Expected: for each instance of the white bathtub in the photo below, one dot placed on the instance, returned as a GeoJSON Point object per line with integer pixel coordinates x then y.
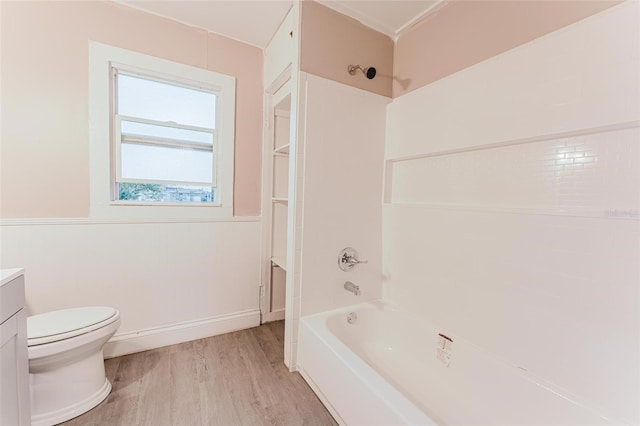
{"type": "Point", "coordinates": [366, 372]}
{"type": "Point", "coordinates": [384, 370]}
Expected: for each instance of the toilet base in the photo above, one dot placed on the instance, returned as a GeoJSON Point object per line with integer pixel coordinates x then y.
{"type": "Point", "coordinates": [74, 410]}
{"type": "Point", "coordinates": [67, 376]}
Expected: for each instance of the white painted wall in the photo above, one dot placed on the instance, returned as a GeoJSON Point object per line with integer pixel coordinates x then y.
{"type": "Point", "coordinates": [160, 276]}
{"type": "Point", "coordinates": [344, 132]}
{"type": "Point", "coordinates": [512, 219]}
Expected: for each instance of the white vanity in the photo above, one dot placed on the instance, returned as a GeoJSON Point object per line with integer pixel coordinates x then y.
{"type": "Point", "coordinates": [14, 361]}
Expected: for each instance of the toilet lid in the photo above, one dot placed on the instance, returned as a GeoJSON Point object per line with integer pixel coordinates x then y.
{"type": "Point", "coordinates": [66, 323]}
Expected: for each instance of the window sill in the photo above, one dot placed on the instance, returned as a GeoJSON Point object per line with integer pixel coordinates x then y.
{"type": "Point", "coordinates": [161, 204]}
{"type": "Point", "coordinates": [136, 210]}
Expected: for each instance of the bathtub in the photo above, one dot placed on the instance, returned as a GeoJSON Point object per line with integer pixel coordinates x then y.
{"type": "Point", "coordinates": [367, 372]}
{"type": "Point", "coordinates": [386, 368]}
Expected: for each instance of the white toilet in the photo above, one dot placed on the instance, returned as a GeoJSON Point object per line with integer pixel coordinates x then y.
{"type": "Point", "coordinates": [66, 365]}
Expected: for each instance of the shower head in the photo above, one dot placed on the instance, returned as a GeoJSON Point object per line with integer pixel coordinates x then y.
{"type": "Point", "coordinates": [369, 72]}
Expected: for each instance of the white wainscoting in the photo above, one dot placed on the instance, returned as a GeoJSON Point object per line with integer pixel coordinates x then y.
{"type": "Point", "coordinates": [512, 218]}
{"type": "Point", "coordinates": [171, 281]}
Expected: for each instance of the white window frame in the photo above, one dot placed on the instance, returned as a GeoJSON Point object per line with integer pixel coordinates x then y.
{"type": "Point", "coordinates": [104, 151]}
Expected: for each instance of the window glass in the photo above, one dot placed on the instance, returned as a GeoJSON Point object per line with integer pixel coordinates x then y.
{"type": "Point", "coordinates": [166, 163]}
{"type": "Point", "coordinates": [154, 100]}
{"type": "Point", "coordinates": [153, 192]}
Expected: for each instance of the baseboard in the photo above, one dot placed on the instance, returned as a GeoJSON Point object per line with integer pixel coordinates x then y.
{"type": "Point", "coordinates": [273, 316]}
{"type": "Point", "coordinates": [152, 338]}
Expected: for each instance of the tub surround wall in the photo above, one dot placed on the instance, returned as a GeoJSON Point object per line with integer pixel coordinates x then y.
{"type": "Point", "coordinates": [332, 41]}
{"type": "Point", "coordinates": [463, 33]}
{"type": "Point", "coordinates": [338, 147]}
{"type": "Point", "coordinates": [342, 191]}
{"type": "Point", "coordinates": [511, 219]}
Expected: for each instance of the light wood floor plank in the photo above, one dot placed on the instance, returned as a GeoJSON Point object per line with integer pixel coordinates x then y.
{"type": "Point", "coordinates": [232, 379]}
{"type": "Point", "coordinates": [155, 387]}
{"type": "Point", "coordinates": [217, 403]}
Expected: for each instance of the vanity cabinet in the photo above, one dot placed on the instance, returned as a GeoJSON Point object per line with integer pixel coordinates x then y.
{"type": "Point", "coordinates": [14, 360]}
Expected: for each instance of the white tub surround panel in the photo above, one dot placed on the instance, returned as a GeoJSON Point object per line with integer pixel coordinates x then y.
{"type": "Point", "coordinates": [512, 221]}
{"type": "Point", "coordinates": [594, 175]}
{"type": "Point", "coordinates": [171, 282]}
{"type": "Point", "coordinates": [584, 76]}
{"type": "Point", "coordinates": [548, 297]}
{"type": "Point", "coordinates": [344, 132]}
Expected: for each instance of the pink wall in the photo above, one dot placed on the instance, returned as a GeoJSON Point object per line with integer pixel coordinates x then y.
{"type": "Point", "coordinates": [45, 135]}
{"type": "Point", "coordinates": [245, 63]}
{"type": "Point", "coordinates": [464, 33]}
{"type": "Point", "coordinates": [332, 41]}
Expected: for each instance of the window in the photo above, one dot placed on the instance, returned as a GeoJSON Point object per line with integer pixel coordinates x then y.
{"type": "Point", "coordinates": [162, 136]}
{"type": "Point", "coordinates": [164, 139]}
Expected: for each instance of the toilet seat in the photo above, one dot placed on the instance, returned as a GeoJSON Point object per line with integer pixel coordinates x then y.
{"type": "Point", "coordinates": [67, 323]}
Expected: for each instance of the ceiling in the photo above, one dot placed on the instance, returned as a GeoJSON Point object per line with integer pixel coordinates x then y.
{"type": "Point", "coordinates": [390, 17]}
{"type": "Point", "coordinates": [255, 21]}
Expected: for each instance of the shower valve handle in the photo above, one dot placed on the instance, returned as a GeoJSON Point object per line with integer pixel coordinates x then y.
{"type": "Point", "coordinates": [352, 260]}
{"type": "Point", "coordinates": [348, 259]}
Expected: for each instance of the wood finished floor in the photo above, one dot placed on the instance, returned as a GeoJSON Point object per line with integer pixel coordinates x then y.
{"type": "Point", "coordinates": [232, 379]}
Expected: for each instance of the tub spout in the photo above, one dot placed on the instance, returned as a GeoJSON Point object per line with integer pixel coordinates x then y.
{"type": "Point", "coordinates": [349, 286]}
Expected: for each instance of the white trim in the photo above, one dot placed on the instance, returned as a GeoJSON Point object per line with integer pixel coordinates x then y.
{"type": "Point", "coordinates": [277, 315]}
{"type": "Point", "coordinates": [135, 221]}
{"type": "Point", "coordinates": [281, 94]}
{"type": "Point", "coordinates": [589, 212]}
{"type": "Point", "coordinates": [419, 17]}
{"type": "Point", "coordinates": [624, 125]}
{"type": "Point", "coordinates": [157, 337]}
{"type": "Point", "coordinates": [375, 24]}
{"type": "Point", "coordinates": [159, 77]}
{"type": "Point", "coordinates": [363, 18]}
{"type": "Point", "coordinates": [283, 114]}
{"type": "Point", "coordinates": [283, 78]}
{"type": "Point", "coordinates": [100, 58]}
{"type": "Point", "coordinates": [183, 22]}
{"type": "Point", "coordinates": [281, 151]}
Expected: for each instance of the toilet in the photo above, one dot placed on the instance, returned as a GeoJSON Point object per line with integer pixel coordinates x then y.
{"type": "Point", "coordinates": [66, 364]}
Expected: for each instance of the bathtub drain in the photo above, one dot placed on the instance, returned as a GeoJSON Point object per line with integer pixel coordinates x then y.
{"type": "Point", "coordinates": [352, 318]}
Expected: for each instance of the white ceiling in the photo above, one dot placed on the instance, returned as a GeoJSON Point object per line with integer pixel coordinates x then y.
{"type": "Point", "coordinates": [250, 21]}
{"type": "Point", "coordinates": [390, 17]}
{"type": "Point", "coordinates": [255, 21]}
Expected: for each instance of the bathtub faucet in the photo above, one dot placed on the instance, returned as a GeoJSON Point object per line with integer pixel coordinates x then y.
{"type": "Point", "coordinates": [355, 289]}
